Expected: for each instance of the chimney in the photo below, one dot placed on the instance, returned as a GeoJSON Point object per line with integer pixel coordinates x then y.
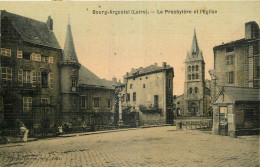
{"type": "Point", "coordinates": [164, 64]}
{"type": "Point", "coordinates": [114, 79]}
{"type": "Point", "coordinates": [251, 30]}
{"type": "Point", "coordinates": [50, 23]}
{"type": "Point", "coordinates": [119, 81]}
{"type": "Point", "coordinates": [127, 74]}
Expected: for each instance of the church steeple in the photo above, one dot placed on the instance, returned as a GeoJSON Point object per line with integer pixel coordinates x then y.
{"type": "Point", "coordinates": [194, 45]}
{"type": "Point", "coordinates": [195, 53]}
{"type": "Point", "coordinates": [69, 54]}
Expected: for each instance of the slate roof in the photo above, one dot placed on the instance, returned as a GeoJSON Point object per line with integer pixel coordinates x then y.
{"type": "Point", "coordinates": [147, 70]}
{"type": "Point", "coordinates": [32, 31]}
{"type": "Point", "coordinates": [242, 93]}
{"type": "Point", "coordinates": [69, 53]}
{"type": "Point", "coordinates": [88, 78]}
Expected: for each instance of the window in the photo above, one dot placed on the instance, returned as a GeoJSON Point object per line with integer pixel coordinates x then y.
{"type": "Point", "coordinates": [74, 101]}
{"type": "Point", "coordinates": [19, 54]}
{"type": "Point", "coordinates": [26, 76]}
{"type": "Point", "coordinates": [190, 90]}
{"type": "Point", "coordinates": [131, 86]}
{"type": "Point", "coordinates": [193, 76]}
{"type": "Point", "coordinates": [143, 85]}
{"type": "Point", "coordinates": [223, 113]}
{"type": "Point", "coordinates": [189, 77]}
{"type": "Point", "coordinates": [196, 90]}
{"type": "Point", "coordinates": [73, 82]}
{"type": "Point", "coordinates": [6, 73]}
{"type": "Point", "coordinates": [169, 82]}
{"type": "Point", "coordinates": [134, 96]}
{"type": "Point", "coordinates": [51, 60]}
{"type": "Point", "coordinates": [230, 49]}
{"type": "Point", "coordinates": [20, 77]}
{"type": "Point", "coordinates": [45, 100]}
{"type": "Point", "coordinates": [229, 59]}
{"type": "Point", "coordinates": [27, 104]}
{"type": "Point", "coordinates": [44, 58]}
{"type": "Point", "coordinates": [33, 73]}
{"type": "Point", "coordinates": [108, 103]}
{"type": "Point", "coordinates": [230, 76]}
{"type": "Point", "coordinates": [37, 57]}
{"type": "Point", "coordinates": [44, 78]}
{"type": "Point", "coordinates": [123, 97]}
{"type": "Point", "coordinates": [26, 55]}
{"type": "Point", "coordinates": [156, 99]}
{"type": "Point", "coordinates": [96, 102]}
{"type": "Point", "coordinates": [197, 76]}
{"type": "Point", "coordinates": [128, 97]}
{"type": "Point", "coordinates": [83, 102]}
{"type": "Point", "coordinates": [39, 76]}
{"type": "Point", "coordinates": [193, 68]}
{"type": "Point", "coordinates": [197, 68]}
{"type": "Point", "coordinates": [51, 80]}
{"type": "Point", "coordinates": [6, 52]}
{"type": "Point", "coordinates": [257, 73]}
{"type": "Point", "coordinates": [178, 102]}
{"type": "Point", "coordinates": [189, 68]}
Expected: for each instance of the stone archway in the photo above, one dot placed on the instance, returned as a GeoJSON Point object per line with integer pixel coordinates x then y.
{"type": "Point", "coordinates": [193, 109]}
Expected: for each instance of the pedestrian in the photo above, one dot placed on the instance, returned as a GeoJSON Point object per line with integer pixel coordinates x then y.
{"type": "Point", "coordinates": [24, 131]}
{"type": "Point", "coordinates": [60, 129]}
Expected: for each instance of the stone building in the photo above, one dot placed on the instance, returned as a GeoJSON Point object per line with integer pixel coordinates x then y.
{"type": "Point", "coordinates": [30, 54]}
{"type": "Point", "coordinates": [236, 75]}
{"type": "Point", "coordinates": [149, 94]}
{"type": "Point", "coordinates": [84, 96]}
{"type": "Point", "coordinates": [195, 91]}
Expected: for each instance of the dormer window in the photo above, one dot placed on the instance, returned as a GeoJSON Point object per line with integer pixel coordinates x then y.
{"type": "Point", "coordinates": [73, 82]}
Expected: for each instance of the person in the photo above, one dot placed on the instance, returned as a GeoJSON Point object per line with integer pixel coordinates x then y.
{"type": "Point", "coordinates": [60, 129]}
{"type": "Point", "coordinates": [24, 131]}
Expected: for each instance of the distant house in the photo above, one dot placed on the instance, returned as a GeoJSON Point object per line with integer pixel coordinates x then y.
{"type": "Point", "coordinates": [149, 94]}
{"type": "Point", "coordinates": [30, 84]}
{"type": "Point", "coordinates": [236, 82]}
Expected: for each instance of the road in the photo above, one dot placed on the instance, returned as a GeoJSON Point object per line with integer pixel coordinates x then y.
{"type": "Point", "coordinates": [159, 146]}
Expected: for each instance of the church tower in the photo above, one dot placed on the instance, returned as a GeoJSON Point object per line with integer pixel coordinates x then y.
{"type": "Point", "coordinates": [69, 70]}
{"type": "Point", "coordinates": [194, 81]}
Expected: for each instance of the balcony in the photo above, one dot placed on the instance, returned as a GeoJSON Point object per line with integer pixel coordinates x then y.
{"type": "Point", "coordinates": [150, 109]}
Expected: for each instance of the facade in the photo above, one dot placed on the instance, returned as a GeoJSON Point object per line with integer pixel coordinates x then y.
{"type": "Point", "coordinates": [240, 71]}
{"type": "Point", "coordinates": [84, 96]}
{"type": "Point", "coordinates": [30, 54]}
{"type": "Point", "coordinates": [195, 91]}
{"type": "Point", "coordinates": [142, 102]}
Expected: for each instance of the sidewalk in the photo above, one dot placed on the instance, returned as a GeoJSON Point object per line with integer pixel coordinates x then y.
{"type": "Point", "coordinates": [109, 131]}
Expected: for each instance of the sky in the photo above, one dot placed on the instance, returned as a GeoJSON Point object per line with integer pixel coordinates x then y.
{"type": "Point", "coordinates": [110, 45]}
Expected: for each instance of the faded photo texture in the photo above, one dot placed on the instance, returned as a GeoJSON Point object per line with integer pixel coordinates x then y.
{"type": "Point", "coordinates": [129, 83]}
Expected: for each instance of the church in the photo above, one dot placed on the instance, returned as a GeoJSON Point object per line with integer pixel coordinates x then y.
{"type": "Point", "coordinates": [196, 98]}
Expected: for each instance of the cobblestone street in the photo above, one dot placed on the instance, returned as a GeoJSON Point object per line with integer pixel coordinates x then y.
{"type": "Point", "coordinates": [159, 146]}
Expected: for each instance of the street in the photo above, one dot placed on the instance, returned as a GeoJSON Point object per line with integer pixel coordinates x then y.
{"type": "Point", "coordinates": [158, 146]}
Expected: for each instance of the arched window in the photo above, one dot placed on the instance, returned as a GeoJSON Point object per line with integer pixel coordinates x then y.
{"type": "Point", "coordinates": [197, 76]}
{"type": "Point", "coordinates": [189, 69]}
{"type": "Point", "coordinates": [193, 68]}
{"type": "Point", "coordinates": [196, 90]}
{"type": "Point", "coordinates": [193, 76]}
{"type": "Point", "coordinates": [189, 77]}
{"type": "Point", "coordinates": [190, 90]}
{"type": "Point", "coordinates": [197, 68]}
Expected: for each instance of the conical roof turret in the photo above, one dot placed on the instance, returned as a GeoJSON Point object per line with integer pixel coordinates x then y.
{"type": "Point", "coordinates": [69, 54]}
